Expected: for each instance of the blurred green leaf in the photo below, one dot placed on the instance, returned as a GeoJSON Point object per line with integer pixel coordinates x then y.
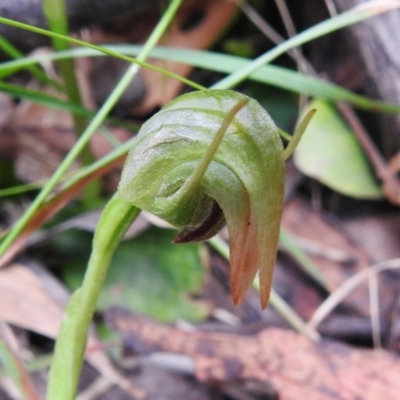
{"type": "Point", "coordinates": [148, 274]}
{"type": "Point", "coordinates": [330, 153]}
{"type": "Point", "coordinates": [238, 47]}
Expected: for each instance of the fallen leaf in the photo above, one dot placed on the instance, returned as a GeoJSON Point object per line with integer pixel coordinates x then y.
{"type": "Point", "coordinates": [25, 302]}
{"type": "Point", "coordinates": [45, 135]}
{"type": "Point", "coordinates": [378, 234]}
{"type": "Point", "coordinates": [295, 366]}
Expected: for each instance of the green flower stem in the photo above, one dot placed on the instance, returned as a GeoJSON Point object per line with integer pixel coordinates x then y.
{"type": "Point", "coordinates": [93, 126]}
{"type": "Point", "coordinates": [71, 342]}
{"type": "Point", "coordinates": [280, 305]}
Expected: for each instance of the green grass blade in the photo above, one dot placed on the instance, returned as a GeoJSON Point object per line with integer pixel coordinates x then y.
{"type": "Point", "coordinates": [56, 15]}
{"type": "Point", "coordinates": [21, 92]}
{"type": "Point", "coordinates": [343, 20]}
{"type": "Point", "coordinates": [269, 74]}
{"type": "Point", "coordinates": [11, 65]}
{"type": "Point", "coordinates": [55, 12]}
{"type": "Point", "coordinates": [11, 191]}
{"type": "Point", "coordinates": [41, 98]}
{"type": "Point", "coordinates": [13, 52]}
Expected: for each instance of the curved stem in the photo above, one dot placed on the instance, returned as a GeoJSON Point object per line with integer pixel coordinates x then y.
{"type": "Point", "coordinates": [66, 365]}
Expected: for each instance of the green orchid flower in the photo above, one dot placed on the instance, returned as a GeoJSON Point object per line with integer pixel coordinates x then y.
{"type": "Point", "coordinates": [207, 158]}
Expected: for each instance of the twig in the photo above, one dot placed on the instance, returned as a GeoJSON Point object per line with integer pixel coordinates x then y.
{"type": "Point", "coordinates": [331, 8]}
{"type": "Point", "coordinates": [329, 253]}
{"type": "Point", "coordinates": [286, 18]}
{"type": "Point", "coordinates": [346, 288]}
{"type": "Point", "coordinates": [374, 309]}
{"type": "Point", "coordinates": [95, 389]}
{"type": "Point", "coordinates": [373, 154]}
{"type": "Point", "coordinates": [275, 37]}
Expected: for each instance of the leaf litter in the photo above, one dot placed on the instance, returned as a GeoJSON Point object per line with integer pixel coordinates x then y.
{"type": "Point", "coordinates": [295, 366]}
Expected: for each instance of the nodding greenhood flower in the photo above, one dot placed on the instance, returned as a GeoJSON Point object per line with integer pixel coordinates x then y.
{"type": "Point", "coordinates": [207, 158]}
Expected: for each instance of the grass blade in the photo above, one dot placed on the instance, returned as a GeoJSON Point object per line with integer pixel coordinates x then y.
{"type": "Point", "coordinates": [269, 74]}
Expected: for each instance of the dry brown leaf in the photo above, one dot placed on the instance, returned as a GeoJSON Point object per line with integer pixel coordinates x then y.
{"type": "Point", "coordinates": [25, 302]}
{"type": "Point", "coordinates": [32, 299]}
{"type": "Point", "coordinates": [295, 366]}
{"type": "Point", "coordinates": [46, 135]}
{"type": "Point", "coordinates": [23, 381]}
{"type": "Point", "coordinates": [378, 234]}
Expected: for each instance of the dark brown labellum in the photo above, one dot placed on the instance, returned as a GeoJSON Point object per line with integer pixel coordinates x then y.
{"type": "Point", "coordinates": [213, 221]}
